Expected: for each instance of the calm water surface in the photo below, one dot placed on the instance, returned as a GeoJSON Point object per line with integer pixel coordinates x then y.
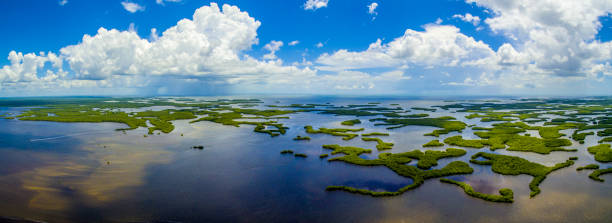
{"type": "Point", "coordinates": [88, 172]}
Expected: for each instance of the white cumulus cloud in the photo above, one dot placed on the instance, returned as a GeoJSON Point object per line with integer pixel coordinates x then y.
{"type": "Point", "coordinates": [550, 45]}
{"type": "Point", "coordinates": [132, 7]}
{"type": "Point", "coordinates": [475, 20]}
{"type": "Point", "coordinates": [161, 2]}
{"type": "Point", "coordinates": [272, 47]}
{"type": "Point", "coordinates": [550, 37]}
{"type": "Point", "coordinates": [211, 45]}
{"type": "Point", "coordinates": [293, 43]}
{"type": "Point", "coordinates": [372, 8]}
{"type": "Point", "coordinates": [315, 4]}
{"type": "Point", "coordinates": [24, 67]}
{"type": "Point", "coordinates": [438, 45]}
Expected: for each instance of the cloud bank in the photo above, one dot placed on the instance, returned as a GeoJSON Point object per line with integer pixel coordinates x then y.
{"type": "Point", "coordinates": [549, 45]}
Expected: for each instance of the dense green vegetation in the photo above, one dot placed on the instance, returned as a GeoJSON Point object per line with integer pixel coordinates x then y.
{"type": "Point", "coordinates": [575, 114]}
{"type": "Point", "coordinates": [78, 114]}
{"type": "Point", "coordinates": [447, 123]}
{"type": "Point", "coordinates": [100, 110]}
{"type": "Point", "coordinates": [430, 158]}
{"type": "Point", "coordinates": [595, 175]}
{"type": "Point", "coordinates": [433, 143]}
{"type": "Point", "coordinates": [505, 195]}
{"type": "Point", "coordinates": [297, 106]}
{"type": "Point", "coordinates": [537, 145]}
{"type": "Point", "coordinates": [459, 141]}
{"type": "Point", "coordinates": [492, 116]}
{"type": "Point", "coordinates": [545, 132]}
{"type": "Point", "coordinates": [606, 139]}
{"type": "Point", "coordinates": [512, 165]}
{"type": "Point", "coordinates": [322, 156]}
{"type": "Point", "coordinates": [351, 122]}
{"type": "Point", "coordinates": [301, 155]}
{"type": "Point", "coordinates": [581, 136]}
{"type": "Point", "coordinates": [381, 144]}
{"type": "Point", "coordinates": [335, 132]}
{"type": "Point", "coordinates": [424, 109]}
{"type": "Point", "coordinates": [602, 152]}
{"type": "Point", "coordinates": [375, 134]}
{"type": "Point", "coordinates": [161, 119]}
{"type": "Point", "coordinates": [588, 167]}
{"type": "Point", "coordinates": [396, 162]}
{"type": "Point", "coordinates": [230, 118]}
{"type": "Point", "coordinates": [503, 134]}
{"type": "Point", "coordinates": [349, 151]}
{"type": "Point", "coordinates": [397, 115]}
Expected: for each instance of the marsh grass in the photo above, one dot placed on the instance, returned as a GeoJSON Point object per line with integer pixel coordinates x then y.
{"type": "Point", "coordinates": [588, 167]}
{"type": "Point", "coordinates": [505, 195]}
{"type": "Point", "coordinates": [595, 174]}
{"type": "Point", "coordinates": [229, 118]}
{"type": "Point", "coordinates": [430, 158]}
{"type": "Point", "coordinates": [381, 145]}
{"type": "Point", "coordinates": [97, 110]}
{"type": "Point", "coordinates": [396, 162]}
{"type": "Point", "coordinates": [459, 141]}
{"type": "Point", "coordinates": [512, 165]}
{"type": "Point", "coordinates": [433, 143]}
{"type": "Point", "coordinates": [606, 139]}
{"type": "Point", "coordinates": [602, 152]}
{"type": "Point", "coordinates": [301, 155]}
{"type": "Point", "coordinates": [351, 122]}
{"type": "Point", "coordinates": [375, 134]}
{"type": "Point", "coordinates": [424, 109]}
{"type": "Point", "coordinates": [507, 134]}
{"type": "Point", "coordinates": [447, 123]}
{"type": "Point", "coordinates": [335, 132]}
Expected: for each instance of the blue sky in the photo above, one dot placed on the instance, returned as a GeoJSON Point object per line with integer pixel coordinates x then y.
{"type": "Point", "coordinates": [473, 47]}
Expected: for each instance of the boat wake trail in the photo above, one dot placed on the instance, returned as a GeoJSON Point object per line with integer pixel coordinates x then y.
{"type": "Point", "coordinates": [64, 136]}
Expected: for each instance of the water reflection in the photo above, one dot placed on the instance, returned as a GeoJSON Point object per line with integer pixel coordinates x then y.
{"type": "Point", "coordinates": [89, 172]}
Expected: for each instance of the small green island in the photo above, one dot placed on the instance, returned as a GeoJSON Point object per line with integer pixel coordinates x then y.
{"type": "Point", "coordinates": [300, 155]}
{"type": "Point", "coordinates": [297, 138]}
{"type": "Point", "coordinates": [505, 195]}
{"type": "Point", "coordinates": [595, 175]}
{"type": "Point", "coordinates": [351, 122]}
{"type": "Point", "coordinates": [396, 162]}
{"type": "Point", "coordinates": [381, 145]}
{"type": "Point", "coordinates": [433, 143]}
{"type": "Point", "coordinates": [511, 165]}
{"type": "Point", "coordinates": [602, 152]}
{"type": "Point", "coordinates": [345, 133]}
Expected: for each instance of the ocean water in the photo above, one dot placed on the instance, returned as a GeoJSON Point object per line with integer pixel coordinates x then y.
{"type": "Point", "coordinates": [88, 172]}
